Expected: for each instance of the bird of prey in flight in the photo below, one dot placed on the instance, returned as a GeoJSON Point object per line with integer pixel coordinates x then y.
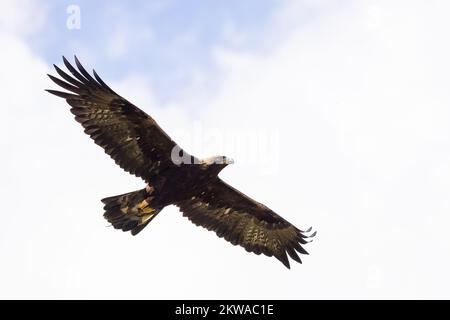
{"type": "Point", "coordinates": [172, 176]}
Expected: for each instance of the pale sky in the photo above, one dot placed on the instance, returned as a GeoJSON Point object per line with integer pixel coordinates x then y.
{"type": "Point", "coordinates": [337, 114]}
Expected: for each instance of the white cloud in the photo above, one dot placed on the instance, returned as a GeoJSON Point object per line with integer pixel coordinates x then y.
{"type": "Point", "coordinates": [122, 40]}
{"type": "Point", "coordinates": [233, 36]}
{"type": "Point", "coordinates": [22, 16]}
{"type": "Point", "coordinates": [126, 34]}
{"type": "Point", "coordinates": [359, 96]}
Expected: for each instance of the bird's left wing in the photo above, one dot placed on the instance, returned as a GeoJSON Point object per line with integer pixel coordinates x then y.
{"type": "Point", "coordinates": [130, 136]}
{"type": "Point", "coordinates": [245, 222]}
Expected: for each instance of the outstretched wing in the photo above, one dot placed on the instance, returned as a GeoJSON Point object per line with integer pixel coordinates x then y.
{"type": "Point", "coordinates": [245, 222]}
{"type": "Point", "coordinates": [130, 136]}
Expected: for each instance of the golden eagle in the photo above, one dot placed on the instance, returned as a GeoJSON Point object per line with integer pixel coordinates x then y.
{"type": "Point", "coordinates": [138, 145]}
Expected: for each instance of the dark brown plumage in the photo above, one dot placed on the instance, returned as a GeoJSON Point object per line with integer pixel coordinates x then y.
{"type": "Point", "coordinates": [139, 146]}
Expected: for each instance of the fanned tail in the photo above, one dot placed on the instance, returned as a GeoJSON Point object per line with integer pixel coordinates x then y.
{"type": "Point", "coordinates": [130, 211]}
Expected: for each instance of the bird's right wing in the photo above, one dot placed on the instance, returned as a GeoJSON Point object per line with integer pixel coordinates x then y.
{"type": "Point", "coordinates": [245, 222]}
{"type": "Point", "coordinates": [130, 136]}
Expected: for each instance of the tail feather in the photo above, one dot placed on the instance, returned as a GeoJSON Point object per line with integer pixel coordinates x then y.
{"type": "Point", "coordinates": [130, 211]}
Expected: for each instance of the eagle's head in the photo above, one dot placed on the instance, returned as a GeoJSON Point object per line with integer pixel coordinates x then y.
{"type": "Point", "coordinates": [216, 164]}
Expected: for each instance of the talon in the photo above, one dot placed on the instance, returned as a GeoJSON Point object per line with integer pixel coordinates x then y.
{"type": "Point", "coordinates": [143, 205]}
{"type": "Point", "coordinates": [145, 218]}
{"type": "Point", "coordinates": [148, 210]}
